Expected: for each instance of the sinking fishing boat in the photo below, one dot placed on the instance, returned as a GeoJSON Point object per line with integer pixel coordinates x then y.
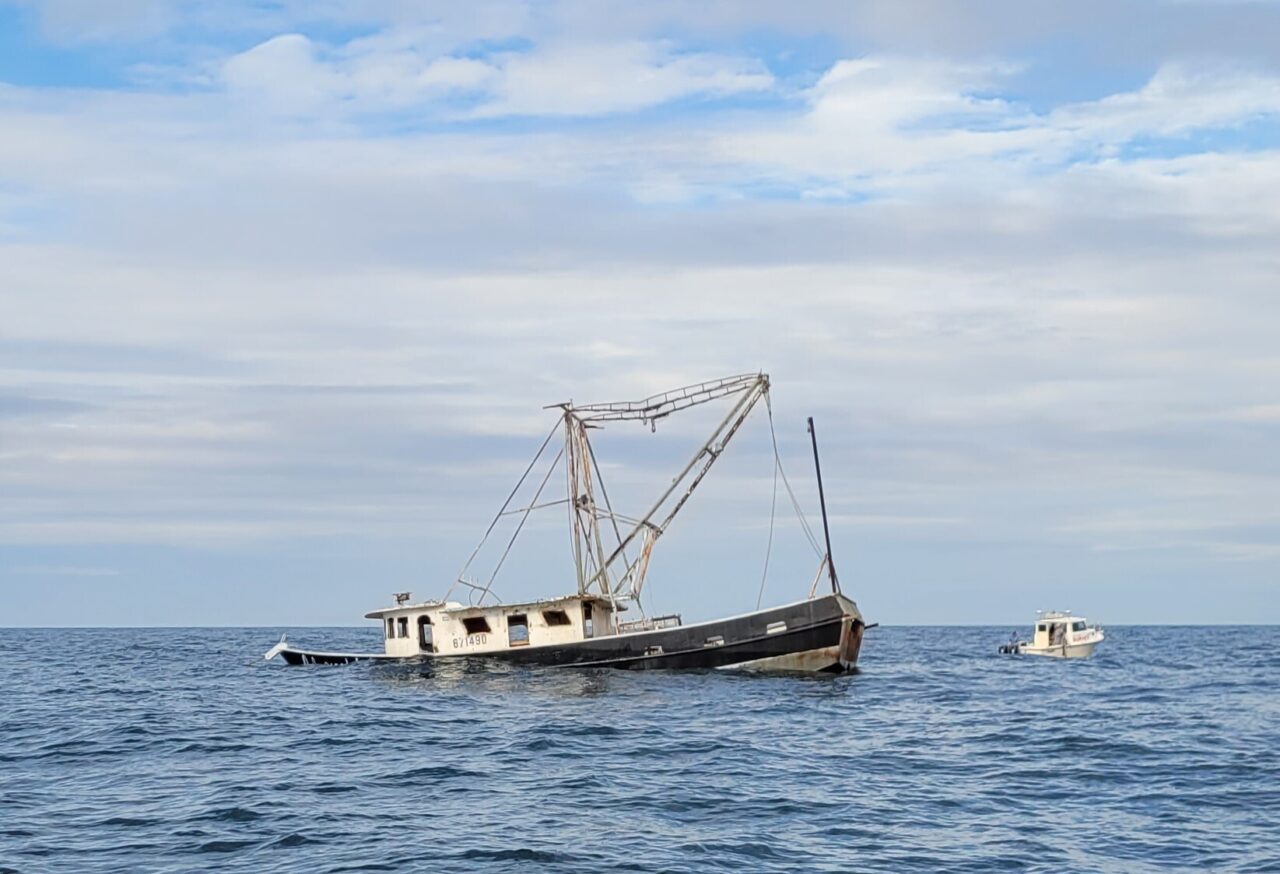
{"type": "Point", "coordinates": [1058, 634]}
{"type": "Point", "coordinates": [611, 553]}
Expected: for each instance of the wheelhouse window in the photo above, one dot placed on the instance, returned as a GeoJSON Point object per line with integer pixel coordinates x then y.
{"type": "Point", "coordinates": [391, 628]}
{"type": "Point", "coordinates": [1042, 627]}
{"type": "Point", "coordinates": [555, 617]}
{"type": "Point", "coordinates": [588, 626]}
{"type": "Point", "coordinates": [518, 629]}
{"type": "Point", "coordinates": [476, 625]}
{"type": "Point", "coordinates": [1078, 625]}
{"type": "Point", "coordinates": [403, 626]}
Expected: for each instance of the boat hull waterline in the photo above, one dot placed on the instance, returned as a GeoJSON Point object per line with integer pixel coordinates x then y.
{"type": "Point", "coordinates": [1062, 651]}
{"type": "Point", "coordinates": [821, 634]}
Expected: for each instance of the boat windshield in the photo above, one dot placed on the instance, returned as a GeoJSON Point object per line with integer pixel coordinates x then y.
{"type": "Point", "coordinates": [1078, 625]}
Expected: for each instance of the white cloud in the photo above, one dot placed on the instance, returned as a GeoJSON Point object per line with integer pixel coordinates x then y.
{"type": "Point", "coordinates": [620, 77]}
{"type": "Point", "coordinates": [294, 78]}
{"type": "Point", "coordinates": [1260, 552]}
{"type": "Point", "coordinates": [874, 123]}
{"type": "Point", "coordinates": [401, 70]}
{"type": "Point", "coordinates": [285, 70]}
{"type": "Point", "coordinates": [1178, 99]}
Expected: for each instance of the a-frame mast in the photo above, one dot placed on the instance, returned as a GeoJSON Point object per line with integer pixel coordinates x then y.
{"type": "Point", "coordinates": [750, 387]}
{"type": "Point", "coordinates": [592, 563]}
{"type": "Point", "coordinates": [584, 514]}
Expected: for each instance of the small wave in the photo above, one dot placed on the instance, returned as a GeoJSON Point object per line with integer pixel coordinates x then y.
{"type": "Point", "coordinates": [293, 840]}
{"type": "Point", "coordinates": [213, 747]}
{"type": "Point", "coordinates": [224, 846]}
{"type": "Point", "coordinates": [128, 821]}
{"type": "Point", "coordinates": [1101, 745]}
{"type": "Point", "coordinates": [435, 772]}
{"type": "Point", "coordinates": [72, 749]}
{"type": "Point", "coordinates": [523, 854]}
{"type": "Point", "coordinates": [576, 730]}
{"type": "Point", "coordinates": [751, 850]}
{"type": "Point", "coordinates": [230, 814]}
{"type": "Point", "coordinates": [367, 866]}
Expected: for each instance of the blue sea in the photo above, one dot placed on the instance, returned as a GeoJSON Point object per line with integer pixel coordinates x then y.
{"type": "Point", "coordinates": [149, 750]}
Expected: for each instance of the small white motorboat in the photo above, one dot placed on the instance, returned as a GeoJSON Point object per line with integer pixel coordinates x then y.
{"type": "Point", "coordinates": [1058, 634]}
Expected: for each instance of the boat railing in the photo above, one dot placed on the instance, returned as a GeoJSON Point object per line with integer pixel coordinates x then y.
{"type": "Point", "coordinates": [650, 623]}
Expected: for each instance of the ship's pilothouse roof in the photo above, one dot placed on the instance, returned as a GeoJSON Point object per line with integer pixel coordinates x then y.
{"type": "Point", "coordinates": [460, 608]}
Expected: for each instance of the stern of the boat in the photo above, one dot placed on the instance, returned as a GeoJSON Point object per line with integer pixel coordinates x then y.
{"type": "Point", "coordinates": [850, 634]}
{"type": "Point", "coordinates": [851, 642]}
{"type": "Point", "coordinates": [837, 657]}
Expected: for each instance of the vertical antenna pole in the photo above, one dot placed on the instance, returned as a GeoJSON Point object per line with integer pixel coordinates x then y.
{"type": "Point", "coordinates": [822, 500]}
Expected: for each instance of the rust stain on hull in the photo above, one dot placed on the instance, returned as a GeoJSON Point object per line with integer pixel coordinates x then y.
{"type": "Point", "coordinates": [851, 643]}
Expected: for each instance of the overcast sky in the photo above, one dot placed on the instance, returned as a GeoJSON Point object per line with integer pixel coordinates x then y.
{"type": "Point", "coordinates": [284, 287]}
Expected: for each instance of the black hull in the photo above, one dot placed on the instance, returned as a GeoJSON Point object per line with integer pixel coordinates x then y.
{"type": "Point", "coordinates": [824, 634]}
{"type": "Point", "coordinates": [305, 657]}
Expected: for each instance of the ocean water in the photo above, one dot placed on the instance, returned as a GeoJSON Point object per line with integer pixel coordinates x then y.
{"type": "Point", "coordinates": [181, 750]}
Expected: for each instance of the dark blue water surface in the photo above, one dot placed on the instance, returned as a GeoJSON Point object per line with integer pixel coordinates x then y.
{"type": "Point", "coordinates": [181, 750]}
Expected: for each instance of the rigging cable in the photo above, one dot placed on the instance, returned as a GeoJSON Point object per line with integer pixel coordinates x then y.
{"type": "Point", "coordinates": [525, 518]}
{"type": "Point", "coordinates": [502, 511]}
{"type": "Point", "coordinates": [613, 517]}
{"type": "Point", "coordinates": [795, 504]}
{"type": "Point", "coordinates": [773, 504]}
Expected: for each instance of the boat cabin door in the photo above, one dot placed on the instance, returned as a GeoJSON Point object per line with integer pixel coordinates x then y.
{"type": "Point", "coordinates": [1057, 634]}
{"type": "Point", "coordinates": [425, 637]}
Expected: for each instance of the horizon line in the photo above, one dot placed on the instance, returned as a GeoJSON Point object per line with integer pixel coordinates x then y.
{"type": "Point", "coordinates": [878, 624]}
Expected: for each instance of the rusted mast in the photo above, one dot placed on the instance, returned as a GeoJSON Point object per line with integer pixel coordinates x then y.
{"type": "Point", "coordinates": [822, 500]}
{"type": "Point", "coordinates": [571, 476]}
